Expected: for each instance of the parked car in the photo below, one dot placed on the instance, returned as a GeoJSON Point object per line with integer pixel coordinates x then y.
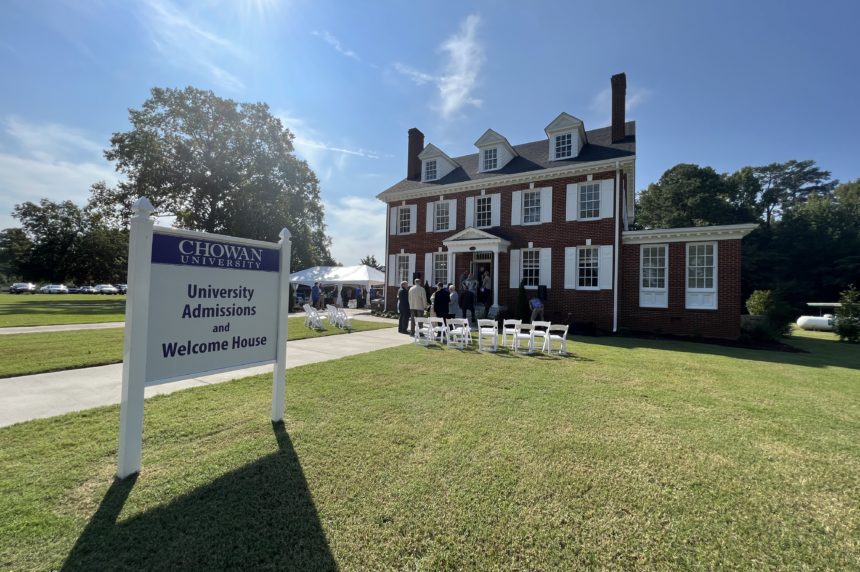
{"type": "Point", "coordinates": [54, 289]}
{"type": "Point", "coordinates": [87, 290]}
{"type": "Point", "coordinates": [123, 288]}
{"type": "Point", "coordinates": [22, 288]}
{"type": "Point", "coordinates": [106, 289]}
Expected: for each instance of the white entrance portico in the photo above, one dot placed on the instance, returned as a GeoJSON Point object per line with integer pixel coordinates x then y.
{"type": "Point", "coordinates": [472, 240]}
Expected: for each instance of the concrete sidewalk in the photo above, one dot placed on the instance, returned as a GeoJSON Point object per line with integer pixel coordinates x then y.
{"type": "Point", "coordinates": [49, 394]}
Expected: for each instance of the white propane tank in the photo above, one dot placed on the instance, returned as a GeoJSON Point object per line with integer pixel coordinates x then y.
{"type": "Point", "coordinates": [822, 323]}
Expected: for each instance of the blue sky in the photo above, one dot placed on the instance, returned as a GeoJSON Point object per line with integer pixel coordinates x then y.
{"type": "Point", "coordinates": [725, 84]}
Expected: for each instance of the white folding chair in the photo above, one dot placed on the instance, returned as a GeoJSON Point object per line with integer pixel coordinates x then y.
{"type": "Point", "coordinates": [438, 329]}
{"type": "Point", "coordinates": [523, 333]}
{"type": "Point", "coordinates": [344, 320]}
{"type": "Point", "coordinates": [317, 320]}
{"type": "Point", "coordinates": [488, 329]}
{"type": "Point", "coordinates": [539, 334]}
{"type": "Point", "coordinates": [307, 309]}
{"type": "Point", "coordinates": [556, 333]}
{"type": "Point", "coordinates": [459, 333]}
{"type": "Point", "coordinates": [509, 328]}
{"type": "Point", "coordinates": [423, 333]}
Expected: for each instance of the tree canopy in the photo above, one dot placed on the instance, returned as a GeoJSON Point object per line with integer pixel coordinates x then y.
{"type": "Point", "coordinates": [217, 166]}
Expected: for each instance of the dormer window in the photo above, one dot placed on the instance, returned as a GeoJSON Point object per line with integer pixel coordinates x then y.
{"type": "Point", "coordinates": [491, 159]}
{"type": "Point", "coordinates": [564, 146]}
{"type": "Point", "coordinates": [430, 170]}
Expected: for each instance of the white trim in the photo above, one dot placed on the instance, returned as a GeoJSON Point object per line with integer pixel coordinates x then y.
{"type": "Point", "coordinates": [596, 249]}
{"type": "Point", "coordinates": [657, 294]}
{"type": "Point", "coordinates": [688, 234]}
{"type": "Point", "coordinates": [701, 293]}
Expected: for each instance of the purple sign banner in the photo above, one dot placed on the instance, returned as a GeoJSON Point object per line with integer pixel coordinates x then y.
{"type": "Point", "coordinates": [187, 251]}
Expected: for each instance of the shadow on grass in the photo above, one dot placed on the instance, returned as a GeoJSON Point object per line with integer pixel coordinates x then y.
{"type": "Point", "coordinates": [260, 516]}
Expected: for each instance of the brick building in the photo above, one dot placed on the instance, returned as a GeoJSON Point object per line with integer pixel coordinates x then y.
{"type": "Point", "coordinates": [555, 213]}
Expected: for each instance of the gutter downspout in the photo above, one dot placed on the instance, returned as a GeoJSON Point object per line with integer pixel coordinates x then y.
{"type": "Point", "coordinates": [617, 250]}
{"type": "Point", "coordinates": [386, 258]}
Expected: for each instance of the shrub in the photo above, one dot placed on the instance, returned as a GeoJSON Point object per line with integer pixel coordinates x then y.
{"type": "Point", "coordinates": [847, 322]}
{"type": "Point", "coordinates": [776, 316]}
{"type": "Point", "coordinates": [759, 302]}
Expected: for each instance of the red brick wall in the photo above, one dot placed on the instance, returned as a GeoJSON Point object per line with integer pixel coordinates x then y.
{"type": "Point", "coordinates": [724, 322]}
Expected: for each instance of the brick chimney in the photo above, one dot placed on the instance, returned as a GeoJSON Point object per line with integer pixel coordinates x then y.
{"type": "Point", "coordinates": [416, 145]}
{"type": "Point", "coordinates": [619, 94]}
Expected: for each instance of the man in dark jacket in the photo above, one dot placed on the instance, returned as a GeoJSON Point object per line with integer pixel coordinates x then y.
{"type": "Point", "coordinates": [403, 307]}
{"type": "Point", "coordinates": [443, 301]}
{"type": "Point", "coordinates": [467, 303]}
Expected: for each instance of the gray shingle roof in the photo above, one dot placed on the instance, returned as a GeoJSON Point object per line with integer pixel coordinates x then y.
{"type": "Point", "coordinates": [532, 156]}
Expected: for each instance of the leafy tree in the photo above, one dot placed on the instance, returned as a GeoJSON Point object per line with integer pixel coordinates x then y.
{"type": "Point", "coordinates": [370, 260]}
{"type": "Point", "coordinates": [217, 166]}
{"type": "Point", "coordinates": [847, 322]}
{"type": "Point", "coordinates": [786, 185]}
{"type": "Point", "coordinates": [15, 251]}
{"type": "Point", "coordinates": [690, 195]}
{"type": "Point", "coordinates": [53, 229]}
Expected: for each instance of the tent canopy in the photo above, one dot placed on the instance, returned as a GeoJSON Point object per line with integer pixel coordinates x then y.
{"type": "Point", "coordinates": [359, 275]}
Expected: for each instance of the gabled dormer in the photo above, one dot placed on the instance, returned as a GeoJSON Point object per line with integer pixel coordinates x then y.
{"type": "Point", "coordinates": [566, 137]}
{"type": "Point", "coordinates": [435, 164]}
{"type": "Point", "coordinates": [494, 151]}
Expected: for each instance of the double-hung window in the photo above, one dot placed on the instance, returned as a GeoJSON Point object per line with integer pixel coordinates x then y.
{"type": "Point", "coordinates": [563, 145]}
{"type": "Point", "coordinates": [589, 200]}
{"type": "Point", "coordinates": [491, 159]}
{"type": "Point", "coordinates": [587, 267]}
{"type": "Point", "coordinates": [530, 267]}
{"type": "Point", "coordinates": [702, 275]}
{"type": "Point", "coordinates": [402, 268]}
{"type": "Point", "coordinates": [531, 207]}
{"type": "Point", "coordinates": [404, 220]}
{"type": "Point", "coordinates": [653, 291]}
{"type": "Point", "coordinates": [430, 170]}
{"type": "Point", "coordinates": [442, 215]}
{"type": "Point", "coordinates": [483, 212]}
{"type": "Point", "coordinates": [440, 267]}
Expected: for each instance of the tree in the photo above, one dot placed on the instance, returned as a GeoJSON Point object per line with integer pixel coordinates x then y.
{"type": "Point", "coordinates": [53, 229]}
{"type": "Point", "coordinates": [15, 251]}
{"type": "Point", "coordinates": [370, 260]}
{"type": "Point", "coordinates": [217, 166]}
{"type": "Point", "coordinates": [848, 315]}
{"type": "Point", "coordinates": [786, 185]}
{"type": "Point", "coordinates": [690, 195]}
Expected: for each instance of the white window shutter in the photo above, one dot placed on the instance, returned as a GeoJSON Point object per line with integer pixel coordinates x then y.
{"type": "Point", "coordinates": [516, 207]}
{"type": "Point", "coordinates": [546, 204]}
{"type": "Point", "coordinates": [411, 266]}
{"type": "Point", "coordinates": [452, 214]}
{"type": "Point", "coordinates": [470, 211]}
{"type": "Point", "coordinates": [570, 205]}
{"type": "Point", "coordinates": [546, 266]}
{"type": "Point", "coordinates": [496, 212]}
{"type": "Point", "coordinates": [428, 268]}
{"type": "Point", "coordinates": [392, 269]}
{"type": "Point", "coordinates": [430, 224]}
{"type": "Point", "coordinates": [413, 219]}
{"type": "Point", "coordinates": [607, 198]}
{"type": "Point", "coordinates": [570, 267]}
{"type": "Point", "coordinates": [604, 268]}
{"type": "Point", "coordinates": [515, 269]}
{"type": "Point", "coordinates": [392, 221]}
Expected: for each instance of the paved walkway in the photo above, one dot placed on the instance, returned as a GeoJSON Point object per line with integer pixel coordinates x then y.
{"type": "Point", "coordinates": [49, 394]}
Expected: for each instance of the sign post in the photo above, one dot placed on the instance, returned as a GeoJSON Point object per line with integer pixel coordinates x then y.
{"type": "Point", "coordinates": [198, 304]}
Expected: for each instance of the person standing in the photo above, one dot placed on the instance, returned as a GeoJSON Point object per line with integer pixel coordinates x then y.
{"type": "Point", "coordinates": [315, 295]}
{"type": "Point", "coordinates": [487, 288]}
{"type": "Point", "coordinates": [536, 304]}
{"type": "Point", "coordinates": [417, 303]}
{"type": "Point", "coordinates": [468, 303]}
{"type": "Point", "coordinates": [454, 306]}
{"type": "Point", "coordinates": [443, 301]}
{"type": "Point", "coordinates": [403, 307]}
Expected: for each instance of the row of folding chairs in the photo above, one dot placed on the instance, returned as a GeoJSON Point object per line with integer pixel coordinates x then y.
{"type": "Point", "coordinates": [338, 317]}
{"type": "Point", "coordinates": [458, 333]}
{"type": "Point", "coordinates": [314, 318]}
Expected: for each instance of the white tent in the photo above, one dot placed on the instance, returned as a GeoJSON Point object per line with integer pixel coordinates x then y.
{"type": "Point", "coordinates": [340, 276]}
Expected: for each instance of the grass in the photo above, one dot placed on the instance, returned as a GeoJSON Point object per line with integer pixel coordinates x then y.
{"type": "Point", "coordinates": [632, 454]}
{"type": "Point", "coordinates": [51, 309]}
{"type": "Point", "coordinates": [26, 354]}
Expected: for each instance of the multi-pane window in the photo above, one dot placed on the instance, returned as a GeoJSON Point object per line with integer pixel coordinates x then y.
{"type": "Point", "coordinates": [700, 266]}
{"type": "Point", "coordinates": [430, 170]}
{"type": "Point", "coordinates": [404, 218]}
{"type": "Point", "coordinates": [563, 145]}
{"type": "Point", "coordinates": [531, 206]}
{"type": "Point", "coordinates": [442, 215]}
{"type": "Point", "coordinates": [483, 212]}
{"type": "Point", "coordinates": [402, 268]}
{"type": "Point", "coordinates": [588, 267]}
{"type": "Point", "coordinates": [531, 267]}
{"type": "Point", "coordinates": [589, 200]}
{"type": "Point", "coordinates": [654, 267]}
{"type": "Point", "coordinates": [440, 267]}
{"type": "Point", "coordinates": [491, 159]}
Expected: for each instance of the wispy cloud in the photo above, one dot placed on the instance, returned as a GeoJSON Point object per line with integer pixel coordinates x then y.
{"type": "Point", "coordinates": [357, 228]}
{"type": "Point", "coordinates": [185, 42]}
{"type": "Point", "coordinates": [335, 43]}
{"type": "Point", "coordinates": [601, 103]}
{"type": "Point", "coordinates": [459, 78]}
{"type": "Point", "coordinates": [309, 142]}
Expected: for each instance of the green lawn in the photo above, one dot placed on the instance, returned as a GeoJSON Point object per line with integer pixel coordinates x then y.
{"type": "Point", "coordinates": [49, 309]}
{"type": "Point", "coordinates": [632, 454]}
{"type": "Point", "coordinates": [25, 354]}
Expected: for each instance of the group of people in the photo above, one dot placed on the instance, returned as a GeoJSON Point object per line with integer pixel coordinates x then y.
{"type": "Point", "coordinates": [318, 296]}
{"type": "Point", "coordinates": [446, 301]}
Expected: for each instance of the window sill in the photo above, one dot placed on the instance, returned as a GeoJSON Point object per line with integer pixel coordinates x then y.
{"type": "Point", "coordinates": [586, 219]}
{"type": "Point", "coordinates": [654, 307]}
{"type": "Point", "coordinates": [588, 288]}
{"type": "Point", "coordinates": [531, 223]}
{"type": "Point", "coordinates": [700, 308]}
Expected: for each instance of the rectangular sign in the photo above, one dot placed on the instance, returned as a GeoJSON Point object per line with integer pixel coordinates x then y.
{"type": "Point", "coordinates": [213, 305]}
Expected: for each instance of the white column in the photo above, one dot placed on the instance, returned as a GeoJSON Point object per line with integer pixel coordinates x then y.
{"type": "Point", "coordinates": [134, 347]}
{"type": "Point", "coordinates": [496, 279]}
{"type": "Point", "coordinates": [279, 376]}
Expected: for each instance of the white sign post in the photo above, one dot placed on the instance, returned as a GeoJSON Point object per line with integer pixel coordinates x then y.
{"type": "Point", "coordinates": [198, 304]}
